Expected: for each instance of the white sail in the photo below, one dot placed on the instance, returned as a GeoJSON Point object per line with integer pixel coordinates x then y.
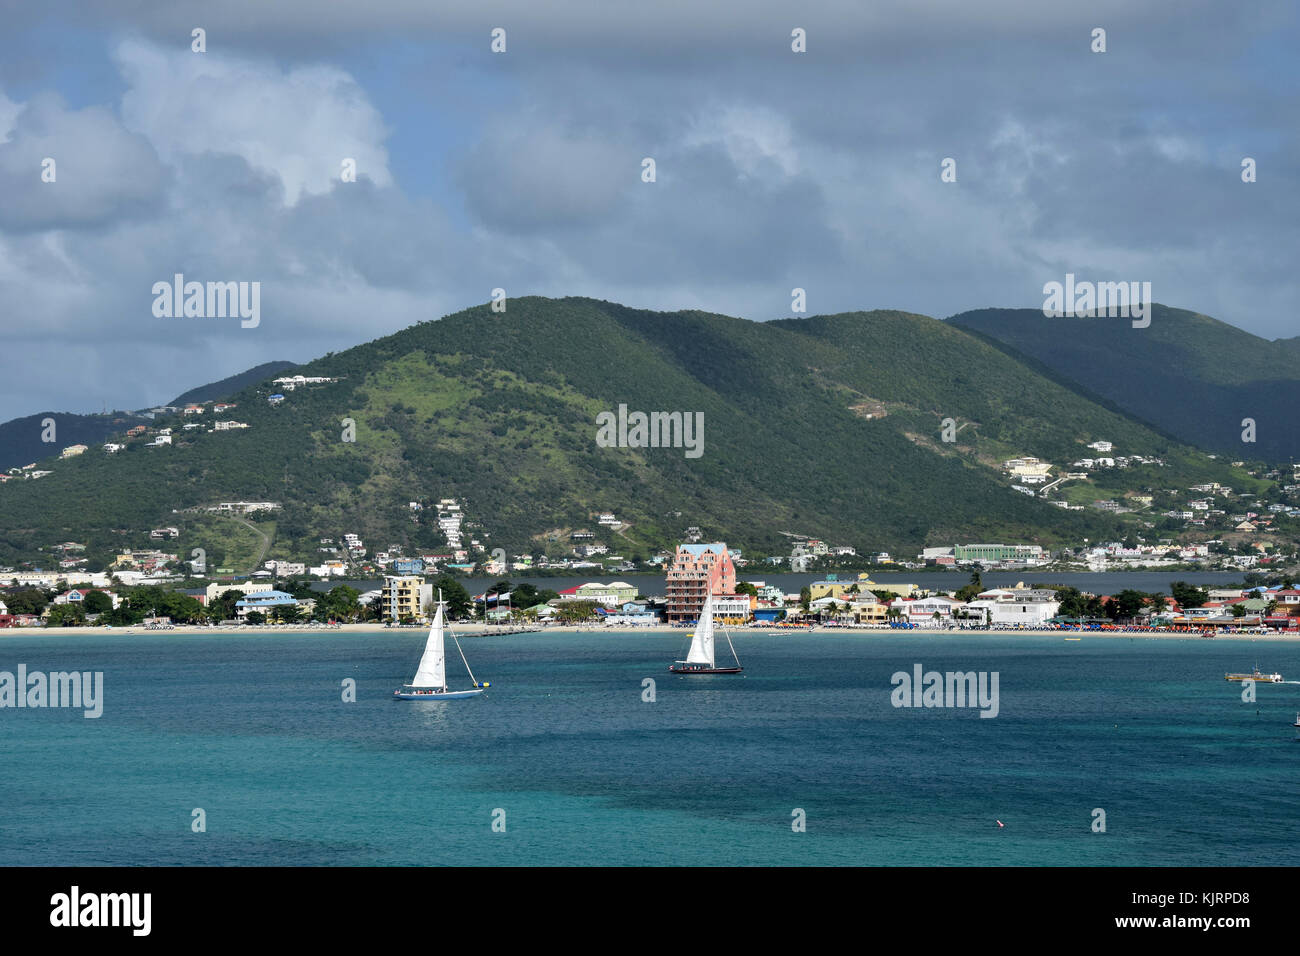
{"type": "Point", "coordinates": [433, 665]}
{"type": "Point", "coordinates": [701, 651]}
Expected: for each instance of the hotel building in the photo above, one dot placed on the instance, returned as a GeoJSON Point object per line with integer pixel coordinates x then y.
{"type": "Point", "coordinates": [696, 571]}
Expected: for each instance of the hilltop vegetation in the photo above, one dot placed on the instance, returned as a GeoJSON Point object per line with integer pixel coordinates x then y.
{"type": "Point", "coordinates": [1189, 375]}
{"type": "Point", "coordinates": [499, 411]}
{"type": "Point", "coordinates": [229, 386]}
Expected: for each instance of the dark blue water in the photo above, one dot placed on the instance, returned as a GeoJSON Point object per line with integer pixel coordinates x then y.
{"type": "Point", "coordinates": [253, 730]}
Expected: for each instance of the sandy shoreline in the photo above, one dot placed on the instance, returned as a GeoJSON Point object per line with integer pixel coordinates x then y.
{"type": "Point", "coordinates": [474, 630]}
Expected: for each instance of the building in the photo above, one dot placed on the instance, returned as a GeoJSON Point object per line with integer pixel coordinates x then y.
{"type": "Point", "coordinates": [1031, 607]}
{"type": "Point", "coordinates": [218, 588]}
{"type": "Point", "coordinates": [995, 553]}
{"type": "Point", "coordinates": [263, 602]}
{"type": "Point", "coordinates": [902, 590]}
{"type": "Point", "coordinates": [928, 610]}
{"type": "Point", "coordinates": [866, 608]}
{"type": "Point", "coordinates": [72, 451]}
{"type": "Point", "coordinates": [244, 507]}
{"type": "Point", "coordinates": [630, 613]}
{"type": "Point", "coordinates": [405, 596]}
{"type": "Point", "coordinates": [290, 382]}
{"type": "Point", "coordinates": [732, 608]}
{"type": "Point", "coordinates": [614, 594]}
{"type": "Point", "coordinates": [1027, 467]}
{"type": "Point", "coordinates": [79, 595]}
{"type": "Point", "coordinates": [696, 571]}
{"type": "Point", "coordinates": [840, 590]}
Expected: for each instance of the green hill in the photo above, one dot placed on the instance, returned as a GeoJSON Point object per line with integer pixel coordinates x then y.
{"type": "Point", "coordinates": [22, 440]}
{"type": "Point", "coordinates": [1187, 374]}
{"type": "Point", "coordinates": [826, 426]}
{"type": "Point", "coordinates": [216, 391]}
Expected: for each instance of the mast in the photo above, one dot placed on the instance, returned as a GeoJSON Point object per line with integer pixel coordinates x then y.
{"type": "Point", "coordinates": [727, 634]}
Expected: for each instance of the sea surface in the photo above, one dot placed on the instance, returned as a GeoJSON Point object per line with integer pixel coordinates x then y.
{"type": "Point", "coordinates": [565, 750]}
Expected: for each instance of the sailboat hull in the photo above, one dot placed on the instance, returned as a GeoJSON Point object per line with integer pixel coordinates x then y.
{"type": "Point", "coordinates": [693, 670]}
{"type": "Point", "coordinates": [410, 694]}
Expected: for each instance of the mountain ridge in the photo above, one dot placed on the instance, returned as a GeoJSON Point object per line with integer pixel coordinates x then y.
{"type": "Point", "coordinates": [828, 426]}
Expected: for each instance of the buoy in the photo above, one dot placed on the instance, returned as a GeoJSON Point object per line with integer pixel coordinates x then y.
{"type": "Point", "coordinates": [1001, 824]}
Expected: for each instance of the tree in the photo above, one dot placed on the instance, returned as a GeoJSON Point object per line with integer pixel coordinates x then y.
{"type": "Point", "coordinates": [525, 596]}
{"type": "Point", "coordinates": [972, 590]}
{"type": "Point", "coordinates": [222, 608]}
{"type": "Point", "coordinates": [97, 602]}
{"type": "Point", "coordinates": [454, 593]}
{"type": "Point", "coordinates": [1187, 595]}
{"type": "Point", "coordinates": [1238, 610]}
{"type": "Point", "coordinates": [65, 615]}
{"type": "Point", "coordinates": [285, 613]}
{"type": "Point", "coordinates": [745, 587]}
{"type": "Point", "coordinates": [805, 598]}
{"type": "Point", "coordinates": [255, 617]}
{"type": "Point", "coordinates": [26, 601]}
{"type": "Point", "coordinates": [574, 612]}
{"type": "Point", "coordinates": [1129, 603]}
{"type": "Point", "coordinates": [339, 603]}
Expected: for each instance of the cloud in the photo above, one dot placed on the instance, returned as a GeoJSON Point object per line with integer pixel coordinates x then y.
{"type": "Point", "coordinates": [100, 171]}
{"type": "Point", "coordinates": [299, 124]}
{"type": "Point", "coordinates": [774, 170]}
{"type": "Point", "coordinates": [531, 176]}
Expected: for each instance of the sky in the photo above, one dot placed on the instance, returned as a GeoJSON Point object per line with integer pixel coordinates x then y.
{"type": "Point", "coordinates": [523, 169]}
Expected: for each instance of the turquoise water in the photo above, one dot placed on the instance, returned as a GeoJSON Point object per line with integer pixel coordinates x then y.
{"type": "Point", "coordinates": [254, 731]}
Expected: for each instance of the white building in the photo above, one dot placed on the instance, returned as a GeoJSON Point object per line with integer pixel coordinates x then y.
{"type": "Point", "coordinates": [923, 610]}
{"type": "Point", "coordinates": [218, 588]}
{"type": "Point", "coordinates": [1031, 607]}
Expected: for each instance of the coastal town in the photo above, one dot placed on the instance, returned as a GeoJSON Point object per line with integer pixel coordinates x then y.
{"type": "Point", "coordinates": [692, 573]}
{"type": "Point", "coordinates": [167, 577]}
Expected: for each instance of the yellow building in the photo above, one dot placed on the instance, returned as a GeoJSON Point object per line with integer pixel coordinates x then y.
{"type": "Point", "coordinates": [836, 589]}
{"type": "Point", "coordinates": [902, 590]}
{"type": "Point", "coordinates": [869, 612]}
{"type": "Point", "coordinates": [405, 597]}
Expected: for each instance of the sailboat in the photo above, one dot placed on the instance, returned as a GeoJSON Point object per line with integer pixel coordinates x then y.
{"type": "Point", "coordinates": [699, 659]}
{"type": "Point", "coordinates": [430, 681]}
